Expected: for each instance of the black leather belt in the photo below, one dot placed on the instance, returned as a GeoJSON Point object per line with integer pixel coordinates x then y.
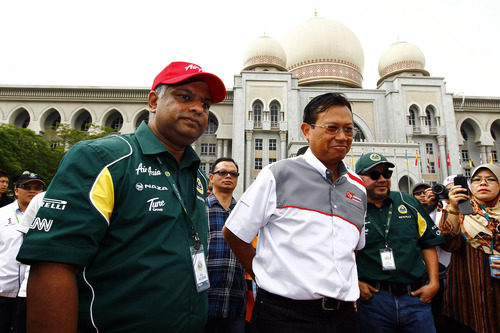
{"type": "Point", "coordinates": [395, 289]}
{"type": "Point", "coordinates": [325, 303]}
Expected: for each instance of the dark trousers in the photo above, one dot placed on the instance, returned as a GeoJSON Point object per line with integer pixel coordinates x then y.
{"type": "Point", "coordinates": [225, 325]}
{"type": "Point", "coordinates": [276, 314]}
{"type": "Point", "coordinates": [12, 314]}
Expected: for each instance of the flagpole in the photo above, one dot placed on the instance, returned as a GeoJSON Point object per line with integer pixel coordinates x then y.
{"type": "Point", "coordinates": [407, 171]}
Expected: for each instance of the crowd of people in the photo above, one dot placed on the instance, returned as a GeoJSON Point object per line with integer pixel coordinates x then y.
{"type": "Point", "coordinates": [132, 236]}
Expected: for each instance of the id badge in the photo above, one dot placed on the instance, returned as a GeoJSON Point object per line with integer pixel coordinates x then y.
{"type": "Point", "coordinates": [387, 258]}
{"type": "Point", "coordinates": [200, 269]}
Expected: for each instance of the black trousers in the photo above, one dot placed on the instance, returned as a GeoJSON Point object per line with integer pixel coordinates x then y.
{"type": "Point", "coordinates": [12, 314]}
{"type": "Point", "coordinates": [277, 314]}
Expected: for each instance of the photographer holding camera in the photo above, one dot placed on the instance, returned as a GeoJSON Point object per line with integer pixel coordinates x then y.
{"type": "Point", "coordinates": [430, 197]}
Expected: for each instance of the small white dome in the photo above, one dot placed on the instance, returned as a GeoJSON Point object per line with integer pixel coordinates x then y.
{"type": "Point", "coordinates": [264, 51]}
{"type": "Point", "coordinates": [401, 57]}
{"type": "Point", "coordinates": [324, 50]}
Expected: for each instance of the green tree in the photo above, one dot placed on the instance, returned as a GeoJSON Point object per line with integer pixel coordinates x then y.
{"type": "Point", "coordinates": [22, 149]}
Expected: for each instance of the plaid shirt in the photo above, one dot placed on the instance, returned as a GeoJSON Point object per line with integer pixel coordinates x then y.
{"type": "Point", "coordinates": [227, 293]}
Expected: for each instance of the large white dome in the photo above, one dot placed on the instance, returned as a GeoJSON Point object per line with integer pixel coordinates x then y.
{"type": "Point", "coordinates": [264, 51]}
{"type": "Point", "coordinates": [401, 57]}
{"type": "Point", "coordinates": [322, 50]}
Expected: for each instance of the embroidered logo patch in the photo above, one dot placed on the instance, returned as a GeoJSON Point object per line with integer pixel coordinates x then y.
{"type": "Point", "coordinates": [375, 157]}
{"type": "Point", "coordinates": [350, 195]}
{"type": "Point", "coordinates": [199, 185]}
{"type": "Point", "coordinates": [402, 209]}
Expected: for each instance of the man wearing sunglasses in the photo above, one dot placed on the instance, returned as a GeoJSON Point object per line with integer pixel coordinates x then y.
{"type": "Point", "coordinates": [12, 307]}
{"type": "Point", "coordinates": [309, 214]}
{"type": "Point", "coordinates": [396, 286]}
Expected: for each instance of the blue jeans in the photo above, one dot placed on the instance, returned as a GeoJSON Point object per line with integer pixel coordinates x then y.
{"type": "Point", "coordinates": [384, 313]}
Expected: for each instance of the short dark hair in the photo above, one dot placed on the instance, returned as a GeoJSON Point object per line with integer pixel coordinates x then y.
{"type": "Point", "coordinates": [322, 102]}
{"type": "Point", "coordinates": [223, 159]}
{"type": "Point", "coordinates": [3, 174]}
{"type": "Point", "coordinates": [302, 150]}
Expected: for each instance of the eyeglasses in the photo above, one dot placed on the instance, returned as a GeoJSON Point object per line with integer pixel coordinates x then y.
{"type": "Point", "coordinates": [31, 187]}
{"type": "Point", "coordinates": [418, 192]}
{"type": "Point", "coordinates": [375, 175]}
{"type": "Point", "coordinates": [487, 180]}
{"type": "Point", "coordinates": [332, 129]}
{"type": "Point", "coordinates": [225, 173]}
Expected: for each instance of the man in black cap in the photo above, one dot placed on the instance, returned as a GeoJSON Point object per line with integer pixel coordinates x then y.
{"type": "Point", "coordinates": [396, 287]}
{"type": "Point", "coordinates": [418, 192]}
{"type": "Point", "coordinates": [119, 243]}
{"type": "Point", "coordinates": [13, 308]}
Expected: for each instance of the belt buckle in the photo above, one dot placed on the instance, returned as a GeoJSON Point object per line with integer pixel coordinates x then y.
{"type": "Point", "coordinates": [399, 291]}
{"type": "Point", "coordinates": [330, 307]}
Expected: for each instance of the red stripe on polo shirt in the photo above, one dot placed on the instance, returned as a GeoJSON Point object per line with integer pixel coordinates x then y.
{"type": "Point", "coordinates": [317, 211]}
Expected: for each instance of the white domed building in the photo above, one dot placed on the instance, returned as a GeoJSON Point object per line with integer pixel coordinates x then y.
{"type": "Point", "coordinates": [409, 116]}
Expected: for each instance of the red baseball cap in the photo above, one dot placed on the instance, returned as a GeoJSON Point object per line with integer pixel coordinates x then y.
{"type": "Point", "coordinates": [179, 71]}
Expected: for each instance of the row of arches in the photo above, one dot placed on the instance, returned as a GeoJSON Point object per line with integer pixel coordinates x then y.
{"type": "Point", "coordinates": [80, 119]}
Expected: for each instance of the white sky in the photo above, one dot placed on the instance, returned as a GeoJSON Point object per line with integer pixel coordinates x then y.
{"type": "Point", "coordinates": [126, 43]}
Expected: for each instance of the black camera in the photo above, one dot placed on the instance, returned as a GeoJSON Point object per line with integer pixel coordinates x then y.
{"type": "Point", "coordinates": [440, 191]}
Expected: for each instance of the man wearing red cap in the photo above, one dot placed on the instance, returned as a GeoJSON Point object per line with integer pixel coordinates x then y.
{"type": "Point", "coordinates": [119, 243]}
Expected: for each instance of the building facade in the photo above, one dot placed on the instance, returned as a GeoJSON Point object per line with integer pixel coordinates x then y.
{"type": "Point", "coordinates": [410, 117]}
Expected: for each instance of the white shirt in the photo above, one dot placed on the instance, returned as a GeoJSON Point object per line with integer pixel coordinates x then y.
{"type": "Point", "coordinates": [11, 271]}
{"type": "Point", "coordinates": [23, 226]}
{"type": "Point", "coordinates": [444, 257]}
{"type": "Point", "coordinates": [301, 253]}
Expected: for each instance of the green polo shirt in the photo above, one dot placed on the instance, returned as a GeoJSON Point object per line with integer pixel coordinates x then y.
{"type": "Point", "coordinates": [411, 230]}
{"type": "Point", "coordinates": [111, 209]}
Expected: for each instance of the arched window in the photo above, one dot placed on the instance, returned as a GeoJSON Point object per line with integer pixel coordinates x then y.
{"type": "Point", "coordinates": [212, 126]}
{"type": "Point", "coordinates": [143, 117]}
{"type": "Point", "coordinates": [83, 120]}
{"type": "Point", "coordinates": [360, 136]}
{"type": "Point", "coordinates": [114, 120]}
{"type": "Point", "coordinates": [411, 117]}
{"type": "Point", "coordinates": [275, 113]}
{"type": "Point", "coordinates": [22, 118]}
{"type": "Point", "coordinates": [257, 113]}
{"type": "Point", "coordinates": [430, 115]}
{"type": "Point", "coordinates": [428, 118]}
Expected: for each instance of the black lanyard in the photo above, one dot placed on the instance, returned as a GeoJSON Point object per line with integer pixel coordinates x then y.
{"type": "Point", "coordinates": [385, 233]}
{"type": "Point", "coordinates": [167, 174]}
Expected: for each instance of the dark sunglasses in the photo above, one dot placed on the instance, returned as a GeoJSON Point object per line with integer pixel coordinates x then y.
{"type": "Point", "coordinates": [375, 175]}
{"type": "Point", "coordinates": [31, 187]}
{"type": "Point", "coordinates": [225, 173]}
{"type": "Point", "coordinates": [418, 192]}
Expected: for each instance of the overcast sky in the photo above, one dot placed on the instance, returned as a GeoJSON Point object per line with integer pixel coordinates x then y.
{"type": "Point", "coordinates": [126, 43]}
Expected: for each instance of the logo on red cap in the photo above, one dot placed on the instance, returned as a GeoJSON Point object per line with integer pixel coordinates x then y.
{"type": "Point", "coordinates": [194, 67]}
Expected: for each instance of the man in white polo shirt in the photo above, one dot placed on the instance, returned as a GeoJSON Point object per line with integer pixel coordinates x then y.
{"type": "Point", "coordinates": [309, 214]}
{"type": "Point", "coordinates": [12, 305]}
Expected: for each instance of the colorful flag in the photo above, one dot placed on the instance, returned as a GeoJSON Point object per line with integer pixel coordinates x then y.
{"type": "Point", "coordinates": [416, 158]}
{"type": "Point", "coordinates": [448, 159]}
{"type": "Point", "coordinates": [352, 160]}
{"type": "Point", "coordinates": [406, 158]}
{"type": "Point", "coordinates": [439, 161]}
{"type": "Point", "coordinates": [480, 159]}
{"type": "Point", "coordinates": [428, 164]}
{"type": "Point", "coordinates": [491, 158]}
{"type": "Point", "coordinates": [471, 164]}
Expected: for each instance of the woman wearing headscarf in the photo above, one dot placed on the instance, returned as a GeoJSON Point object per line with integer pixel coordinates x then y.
{"type": "Point", "coordinates": [472, 296]}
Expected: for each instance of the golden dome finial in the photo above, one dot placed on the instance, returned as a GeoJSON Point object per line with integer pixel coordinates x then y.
{"type": "Point", "coordinates": [315, 12]}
